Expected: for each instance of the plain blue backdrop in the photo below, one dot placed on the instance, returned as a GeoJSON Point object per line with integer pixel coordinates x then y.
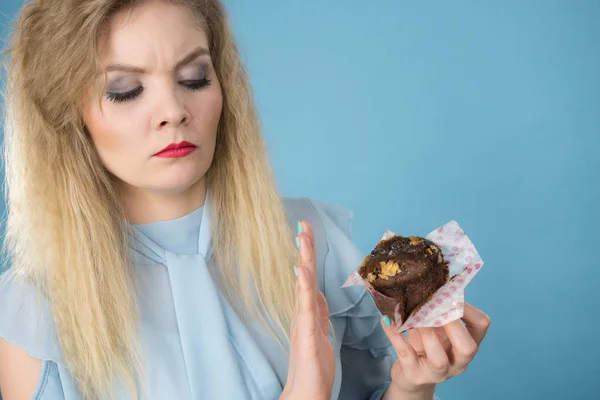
{"type": "Point", "coordinates": [416, 113]}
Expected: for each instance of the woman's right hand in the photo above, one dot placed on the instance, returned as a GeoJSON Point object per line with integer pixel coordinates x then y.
{"type": "Point", "coordinates": [312, 363]}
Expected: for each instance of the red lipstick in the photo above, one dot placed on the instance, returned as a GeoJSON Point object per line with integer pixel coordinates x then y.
{"type": "Point", "coordinates": [176, 150]}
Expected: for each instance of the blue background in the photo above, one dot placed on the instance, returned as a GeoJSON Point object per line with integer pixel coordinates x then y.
{"type": "Point", "coordinates": [413, 114]}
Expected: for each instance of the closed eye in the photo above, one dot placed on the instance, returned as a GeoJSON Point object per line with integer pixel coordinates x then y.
{"type": "Point", "coordinates": [120, 97]}
{"type": "Point", "coordinates": [196, 84]}
{"type": "Point", "coordinates": [193, 84]}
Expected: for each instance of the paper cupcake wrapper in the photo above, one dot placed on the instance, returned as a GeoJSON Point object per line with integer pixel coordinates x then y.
{"type": "Point", "coordinates": [447, 303]}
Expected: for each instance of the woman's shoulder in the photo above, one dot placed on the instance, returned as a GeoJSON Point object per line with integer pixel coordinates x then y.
{"type": "Point", "coordinates": [328, 220]}
{"type": "Point", "coordinates": [25, 318]}
{"type": "Point", "coordinates": [331, 225]}
{"type": "Point", "coordinates": [28, 339]}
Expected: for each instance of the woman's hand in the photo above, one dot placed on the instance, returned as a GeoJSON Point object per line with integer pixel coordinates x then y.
{"type": "Point", "coordinates": [312, 364]}
{"type": "Point", "coordinates": [429, 356]}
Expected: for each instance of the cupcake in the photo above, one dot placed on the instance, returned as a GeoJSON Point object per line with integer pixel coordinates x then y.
{"type": "Point", "coordinates": [406, 271]}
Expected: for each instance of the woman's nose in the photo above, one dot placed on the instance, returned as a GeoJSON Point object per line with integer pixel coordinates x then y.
{"type": "Point", "coordinates": [170, 110]}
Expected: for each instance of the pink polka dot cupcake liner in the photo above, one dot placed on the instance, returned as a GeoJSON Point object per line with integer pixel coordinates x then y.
{"type": "Point", "coordinates": [447, 303]}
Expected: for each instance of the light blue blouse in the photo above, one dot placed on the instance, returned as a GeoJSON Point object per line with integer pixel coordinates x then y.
{"type": "Point", "coordinates": [195, 345]}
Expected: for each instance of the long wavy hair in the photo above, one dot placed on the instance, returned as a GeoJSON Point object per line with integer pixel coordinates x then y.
{"type": "Point", "coordinates": [66, 227]}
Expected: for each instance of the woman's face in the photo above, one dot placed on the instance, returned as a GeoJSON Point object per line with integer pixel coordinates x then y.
{"type": "Point", "coordinates": [161, 89]}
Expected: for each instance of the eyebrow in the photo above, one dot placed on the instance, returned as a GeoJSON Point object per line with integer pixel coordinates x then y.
{"type": "Point", "coordinates": [199, 51]}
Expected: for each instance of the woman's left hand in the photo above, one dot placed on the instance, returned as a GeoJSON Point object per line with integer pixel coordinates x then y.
{"type": "Point", "coordinates": [429, 356]}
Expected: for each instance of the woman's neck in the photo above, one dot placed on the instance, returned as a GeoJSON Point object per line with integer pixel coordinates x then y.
{"type": "Point", "coordinates": [145, 206]}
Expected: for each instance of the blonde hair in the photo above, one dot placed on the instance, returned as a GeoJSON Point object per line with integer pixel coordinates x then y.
{"type": "Point", "coordinates": [66, 228]}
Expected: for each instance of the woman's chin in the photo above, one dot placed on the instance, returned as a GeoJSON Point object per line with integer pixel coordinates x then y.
{"type": "Point", "coordinates": [181, 185]}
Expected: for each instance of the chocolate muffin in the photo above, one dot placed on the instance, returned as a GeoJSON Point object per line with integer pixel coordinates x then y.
{"type": "Point", "coordinates": [408, 270]}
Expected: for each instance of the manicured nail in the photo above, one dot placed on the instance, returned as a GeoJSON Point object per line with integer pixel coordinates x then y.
{"type": "Point", "coordinates": [295, 271]}
{"type": "Point", "coordinates": [387, 321]}
{"type": "Point", "coordinates": [297, 242]}
{"type": "Point", "coordinates": [299, 227]}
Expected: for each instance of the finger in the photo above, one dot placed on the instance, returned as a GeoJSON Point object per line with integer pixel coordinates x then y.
{"type": "Point", "coordinates": [408, 358]}
{"type": "Point", "coordinates": [307, 248]}
{"type": "Point", "coordinates": [437, 359]}
{"type": "Point", "coordinates": [464, 347]}
{"type": "Point", "coordinates": [307, 323]}
{"type": "Point", "coordinates": [323, 313]}
{"type": "Point", "coordinates": [307, 302]}
{"type": "Point", "coordinates": [307, 258]}
{"type": "Point", "coordinates": [294, 323]}
{"type": "Point", "coordinates": [305, 227]}
{"type": "Point", "coordinates": [293, 328]}
{"type": "Point", "coordinates": [477, 322]}
{"type": "Point", "coordinates": [414, 340]}
{"type": "Point", "coordinates": [444, 340]}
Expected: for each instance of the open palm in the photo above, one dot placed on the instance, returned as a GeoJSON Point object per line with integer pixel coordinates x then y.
{"type": "Point", "coordinates": [312, 361]}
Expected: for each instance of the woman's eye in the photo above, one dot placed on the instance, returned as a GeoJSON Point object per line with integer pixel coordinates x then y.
{"type": "Point", "coordinates": [195, 84]}
{"type": "Point", "coordinates": [192, 84]}
{"type": "Point", "coordinates": [120, 97]}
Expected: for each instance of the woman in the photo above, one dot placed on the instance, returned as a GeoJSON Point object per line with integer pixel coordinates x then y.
{"type": "Point", "coordinates": [151, 255]}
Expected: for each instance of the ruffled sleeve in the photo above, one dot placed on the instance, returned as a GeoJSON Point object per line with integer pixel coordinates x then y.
{"type": "Point", "coordinates": [26, 321]}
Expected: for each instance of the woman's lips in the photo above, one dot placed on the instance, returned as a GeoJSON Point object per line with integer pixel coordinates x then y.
{"type": "Point", "coordinates": [176, 153]}
{"type": "Point", "coordinates": [175, 150]}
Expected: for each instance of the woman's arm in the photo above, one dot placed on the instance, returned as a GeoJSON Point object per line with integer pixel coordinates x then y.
{"type": "Point", "coordinates": [19, 372]}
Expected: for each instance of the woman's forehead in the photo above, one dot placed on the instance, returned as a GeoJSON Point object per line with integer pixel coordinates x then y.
{"type": "Point", "coordinates": [151, 33]}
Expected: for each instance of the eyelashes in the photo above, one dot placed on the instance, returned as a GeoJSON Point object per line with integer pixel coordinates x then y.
{"type": "Point", "coordinates": [193, 85]}
{"type": "Point", "coordinates": [120, 97]}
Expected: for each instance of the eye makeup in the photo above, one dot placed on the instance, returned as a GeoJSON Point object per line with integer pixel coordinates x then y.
{"type": "Point", "coordinates": [193, 78]}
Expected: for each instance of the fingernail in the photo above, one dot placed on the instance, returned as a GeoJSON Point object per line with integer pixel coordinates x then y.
{"type": "Point", "coordinates": [297, 242]}
{"type": "Point", "coordinates": [295, 271]}
{"type": "Point", "coordinates": [299, 227]}
{"type": "Point", "coordinates": [387, 321]}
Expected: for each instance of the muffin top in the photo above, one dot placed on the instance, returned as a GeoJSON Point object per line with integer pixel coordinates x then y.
{"type": "Point", "coordinates": [401, 260]}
